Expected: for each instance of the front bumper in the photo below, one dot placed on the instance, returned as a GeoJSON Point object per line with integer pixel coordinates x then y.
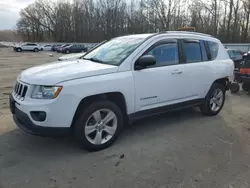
{"type": "Point", "coordinates": [24, 122]}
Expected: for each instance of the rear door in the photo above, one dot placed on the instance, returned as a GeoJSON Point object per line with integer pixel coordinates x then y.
{"type": "Point", "coordinates": [25, 46]}
{"type": "Point", "coordinates": [31, 46]}
{"type": "Point", "coordinates": [197, 71]}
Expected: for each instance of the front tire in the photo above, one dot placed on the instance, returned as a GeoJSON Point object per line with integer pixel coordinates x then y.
{"type": "Point", "coordinates": [214, 100]}
{"type": "Point", "coordinates": [18, 49]}
{"type": "Point", "coordinates": [98, 125]}
{"type": "Point", "coordinates": [36, 50]}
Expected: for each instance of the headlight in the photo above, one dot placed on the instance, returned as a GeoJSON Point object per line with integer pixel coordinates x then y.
{"type": "Point", "coordinates": [46, 92]}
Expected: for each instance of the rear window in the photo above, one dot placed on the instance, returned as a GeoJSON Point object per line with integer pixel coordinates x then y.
{"type": "Point", "coordinates": [213, 48]}
{"type": "Point", "coordinates": [246, 64]}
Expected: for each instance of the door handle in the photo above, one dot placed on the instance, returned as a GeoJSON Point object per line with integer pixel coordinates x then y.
{"type": "Point", "coordinates": [177, 72]}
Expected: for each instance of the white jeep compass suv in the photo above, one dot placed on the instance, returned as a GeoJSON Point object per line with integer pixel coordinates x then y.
{"type": "Point", "coordinates": [123, 79]}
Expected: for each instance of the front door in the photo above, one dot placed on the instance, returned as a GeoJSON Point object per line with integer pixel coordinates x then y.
{"type": "Point", "coordinates": [163, 83]}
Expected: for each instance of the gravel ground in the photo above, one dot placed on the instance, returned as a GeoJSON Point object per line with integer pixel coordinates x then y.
{"type": "Point", "coordinates": [175, 150]}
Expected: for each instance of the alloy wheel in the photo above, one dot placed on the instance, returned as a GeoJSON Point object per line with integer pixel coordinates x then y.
{"type": "Point", "coordinates": [216, 100]}
{"type": "Point", "coordinates": [101, 126]}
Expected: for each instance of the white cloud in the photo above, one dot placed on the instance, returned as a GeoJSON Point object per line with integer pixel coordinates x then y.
{"type": "Point", "coordinates": [9, 12]}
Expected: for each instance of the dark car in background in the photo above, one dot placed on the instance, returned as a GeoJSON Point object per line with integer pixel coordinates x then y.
{"type": "Point", "coordinates": [74, 48]}
{"type": "Point", "coordinates": [236, 56]}
{"type": "Point", "coordinates": [60, 48]}
{"type": "Point", "coordinates": [54, 47]}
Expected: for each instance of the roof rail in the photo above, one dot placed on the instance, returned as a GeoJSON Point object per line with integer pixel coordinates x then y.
{"type": "Point", "coordinates": [187, 32]}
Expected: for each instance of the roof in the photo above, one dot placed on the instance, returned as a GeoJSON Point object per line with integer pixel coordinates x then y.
{"type": "Point", "coordinates": [186, 33]}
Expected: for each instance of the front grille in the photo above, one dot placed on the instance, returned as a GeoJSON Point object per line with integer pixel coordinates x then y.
{"type": "Point", "coordinates": [20, 90]}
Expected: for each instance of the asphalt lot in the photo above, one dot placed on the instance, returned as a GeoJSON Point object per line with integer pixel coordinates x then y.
{"type": "Point", "coordinates": [175, 150]}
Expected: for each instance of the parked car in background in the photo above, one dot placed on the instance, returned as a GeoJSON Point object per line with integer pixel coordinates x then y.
{"type": "Point", "coordinates": [46, 47]}
{"type": "Point", "coordinates": [71, 56]}
{"type": "Point", "coordinates": [60, 48]}
{"type": "Point", "coordinates": [74, 48]}
{"type": "Point", "coordinates": [54, 47]}
{"type": "Point", "coordinates": [78, 55]}
{"type": "Point", "coordinates": [240, 52]}
{"type": "Point", "coordinates": [27, 47]}
{"type": "Point", "coordinates": [236, 56]}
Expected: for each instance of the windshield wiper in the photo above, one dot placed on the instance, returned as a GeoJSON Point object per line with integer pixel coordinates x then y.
{"type": "Point", "coordinates": [94, 60]}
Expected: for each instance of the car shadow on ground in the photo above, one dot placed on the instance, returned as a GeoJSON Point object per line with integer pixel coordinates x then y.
{"type": "Point", "coordinates": [18, 141]}
{"type": "Point", "coordinates": [185, 134]}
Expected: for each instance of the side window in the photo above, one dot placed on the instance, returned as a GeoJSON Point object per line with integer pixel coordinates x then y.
{"type": "Point", "coordinates": [203, 51]}
{"type": "Point", "coordinates": [213, 48]}
{"type": "Point", "coordinates": [165, 54]}
{"type": "Point", "coordinates": [192, 51]}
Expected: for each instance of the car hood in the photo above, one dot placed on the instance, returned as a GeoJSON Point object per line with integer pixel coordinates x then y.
{"type": "Point", "coordinates": [71, 56]}
{"type": "Point", "coordinates": [53, 73]}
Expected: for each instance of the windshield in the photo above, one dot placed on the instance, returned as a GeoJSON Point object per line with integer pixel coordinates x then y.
{"type": "Point", "coordinates": [114, 51]}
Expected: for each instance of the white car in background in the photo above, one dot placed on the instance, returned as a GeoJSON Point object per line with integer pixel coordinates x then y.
{"type": "Point", "coordinates": [27, 47]}
{"type": "Point", "coordinates": [71, 56]}
{"type": "Point", "coordinates": [46, 47]}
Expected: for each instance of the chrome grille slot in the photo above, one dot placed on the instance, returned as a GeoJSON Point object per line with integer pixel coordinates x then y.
{"type": "Point", "coordinates": [20, 90]}
{"type": "Point", "coordinates": [25, 88]}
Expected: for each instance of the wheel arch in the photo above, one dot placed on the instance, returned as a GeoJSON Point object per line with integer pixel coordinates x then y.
{"type": "Point", "coordinates": [116, 97]}
{"type": "Point", "coordinates": [223, 81]}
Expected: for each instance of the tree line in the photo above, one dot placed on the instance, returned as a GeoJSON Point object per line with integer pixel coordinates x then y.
{"type": "Point", "coordinates": [98, 20]}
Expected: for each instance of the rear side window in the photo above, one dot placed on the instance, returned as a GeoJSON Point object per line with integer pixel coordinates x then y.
{"type": "Point", "coordinates": [192, 51]}
{"type": "Point", "coordinates": [213, 48]}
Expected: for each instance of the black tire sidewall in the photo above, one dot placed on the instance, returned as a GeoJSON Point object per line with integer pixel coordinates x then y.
{"type": "Point", "coordinates": [234, 87]}
{"type": "Point", "coordinates": [35, 50]}
{"type": "Point", "coordinates": [79, 127]}
{"type": "Point", "coordinates": [207, 109]}
{"type": "Point", "coordinates": [244, 86]}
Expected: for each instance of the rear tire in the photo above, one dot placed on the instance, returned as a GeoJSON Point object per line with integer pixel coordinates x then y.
{"type": "Point", "coordinates": [36, 50]}
{"type": "Point", "coordinates": [214, 100]}
{"type": "Point", "coordinates": [92, 119]}
{"type": "Point", "coordinates": [67, 51]}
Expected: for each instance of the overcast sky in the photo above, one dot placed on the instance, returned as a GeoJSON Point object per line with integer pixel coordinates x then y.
{"type": "Point", "coordinates": [9, 12]}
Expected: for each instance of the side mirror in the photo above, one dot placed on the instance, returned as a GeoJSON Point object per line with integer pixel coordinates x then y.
{"type": "Point", "coordinates": [145, 61]}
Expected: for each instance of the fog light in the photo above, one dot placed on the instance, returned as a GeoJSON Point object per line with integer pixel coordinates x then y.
{"type": "Point", "coordinates": [38, 115]}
